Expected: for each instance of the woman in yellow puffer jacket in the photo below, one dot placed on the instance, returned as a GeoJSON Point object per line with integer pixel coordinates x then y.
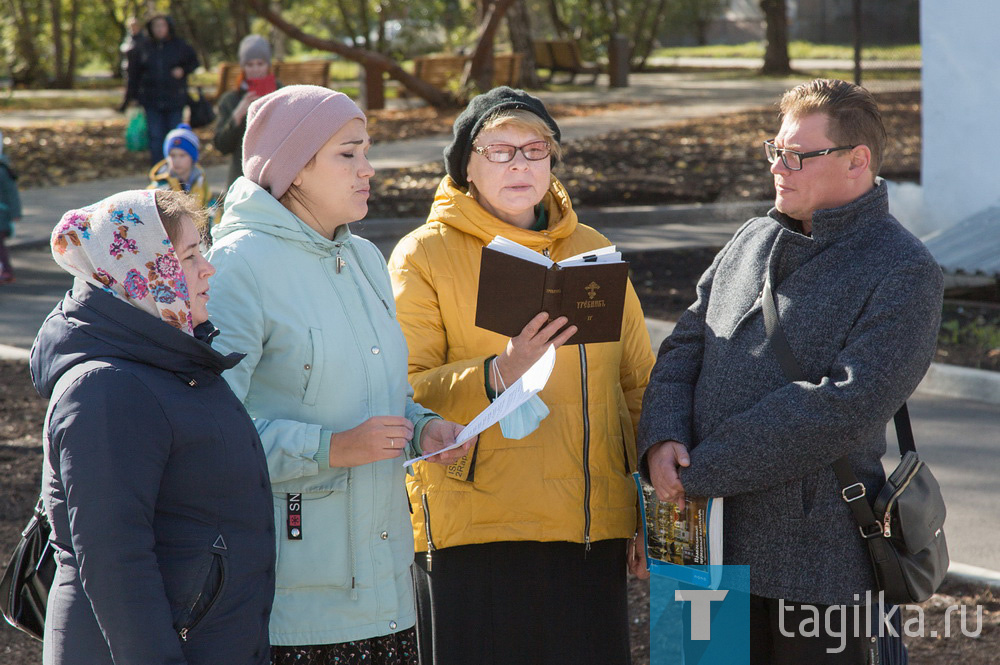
{"type": "Point", "coordinates": [522, 545]}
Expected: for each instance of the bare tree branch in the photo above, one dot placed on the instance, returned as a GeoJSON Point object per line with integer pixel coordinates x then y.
{"type": "Point", "coordinates": [367, 58]}
{"type": "Point", "coordinates": [479, 71]}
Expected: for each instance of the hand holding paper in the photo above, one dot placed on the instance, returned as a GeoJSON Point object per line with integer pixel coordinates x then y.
{"type": "Point", "coordinates": [530, 383]}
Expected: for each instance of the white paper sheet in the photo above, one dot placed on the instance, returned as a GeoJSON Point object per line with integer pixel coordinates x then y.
{"type": "Point", "coordinates": [530, 383]}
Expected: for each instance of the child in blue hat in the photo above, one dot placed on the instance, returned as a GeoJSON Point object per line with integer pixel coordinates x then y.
{"type": "Point", "coordinates": [179, 170]}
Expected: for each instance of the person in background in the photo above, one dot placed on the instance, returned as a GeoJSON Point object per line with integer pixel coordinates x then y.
{"type": "Point", "coordinates": [859, 301]}
{"type": "Point", "coordinates": [256, 80]}
{"type": "Point", "coordinates": [134, 39]}
{"type": "Point", "coordinates": [523, 560]}
{"type": "Point", "coordinates": [179, 171]}
{"type": "Point", "coordinates": [154, 478]}
{"type": "Point", "coordinates": [10, 212]}
{"type": "Point", "coordinates": [157, 80]}
{"type": "Point", "coordinates": [324, 378]}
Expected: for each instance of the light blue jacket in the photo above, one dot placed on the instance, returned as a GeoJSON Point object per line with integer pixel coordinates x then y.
{"type": "Point", "coordinates": [324, 353]}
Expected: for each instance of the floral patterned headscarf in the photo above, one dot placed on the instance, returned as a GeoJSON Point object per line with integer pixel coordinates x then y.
{"type": "Point", "coordinates": [119, 245]}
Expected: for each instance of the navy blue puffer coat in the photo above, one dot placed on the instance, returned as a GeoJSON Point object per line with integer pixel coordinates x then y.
{"type": "Point", "coordinates": [157, 489]}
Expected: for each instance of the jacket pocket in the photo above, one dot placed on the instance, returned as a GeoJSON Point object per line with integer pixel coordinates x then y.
{"type": "Point", "coordinates": [322, 558]}
{"type": "Point", "coordinates": [198, 608]}
{"type": "Point", "coordinates": [313, 366]}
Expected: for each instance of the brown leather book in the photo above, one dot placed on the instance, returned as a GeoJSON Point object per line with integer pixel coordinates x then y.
{"type": "Point", "coordinates": [512, 291]}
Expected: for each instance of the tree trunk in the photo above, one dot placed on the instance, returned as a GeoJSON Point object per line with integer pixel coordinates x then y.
{"type": "Point", "coordinates": [278, 38]}
{"type": "Point", "coordinates": [179, 8]}
{"type": "Point", "coordinates": [479, 71]}
{"type": "Point", "coordinates": [58, 56]}
{"type": "Point", "coordinates": [74, 23]}
{"type": "Point", "coordinates": [238, 12]}
{"type": "Point", "coordinates": [639, 28]}
{"type": "Point", "coordinates": [345, 16]}
{"type": "Point", "coordinates": [646, 49]}
{"type": "Point", "coordinates": [365, 25]}
{"type": "Point", "coordinates": [562, 30]}
{"type": "Point", "coordinates": [519, 26]}
{"type": "Point", "coordinates": [776, 56]}
{"type": "Point", "coordinates": [364, 57]}
{"type": "Point", "coordinates": [616, 20]}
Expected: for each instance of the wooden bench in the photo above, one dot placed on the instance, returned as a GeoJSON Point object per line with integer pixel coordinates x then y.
{"type": "Point", "coordinates": [442, 70]}
{"type": "Point", "coordinates": [563, 55]}
{"type": "Point", "coordinates": [308, 72]}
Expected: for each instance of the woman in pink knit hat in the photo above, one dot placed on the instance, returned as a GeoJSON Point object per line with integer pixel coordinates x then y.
{"type": "Point", "coordinates": [325, 379]}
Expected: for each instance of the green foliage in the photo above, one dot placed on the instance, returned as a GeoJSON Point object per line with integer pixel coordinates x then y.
{"type": "Point", "coordinates": [974, 327]}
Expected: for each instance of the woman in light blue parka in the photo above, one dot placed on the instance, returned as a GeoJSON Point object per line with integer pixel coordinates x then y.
{"type": "Point", "coordinates": [325, 379]}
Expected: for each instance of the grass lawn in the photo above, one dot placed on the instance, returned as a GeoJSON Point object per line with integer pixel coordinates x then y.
{"type": "Point", "coordinates": [796, 49]}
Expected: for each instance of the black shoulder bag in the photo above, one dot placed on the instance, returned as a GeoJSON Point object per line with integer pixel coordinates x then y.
{"type": "Point", "coordinates": [904, 527]}
{"type": "Point", "coordinates": [24, 587]}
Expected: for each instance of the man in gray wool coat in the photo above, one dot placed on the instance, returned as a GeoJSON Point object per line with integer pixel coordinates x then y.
{"type": "Point", "coordinates": [859, 299]}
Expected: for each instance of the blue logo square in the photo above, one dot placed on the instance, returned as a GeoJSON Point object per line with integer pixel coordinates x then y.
{"type": "Point", "coordinates": [696, 625]}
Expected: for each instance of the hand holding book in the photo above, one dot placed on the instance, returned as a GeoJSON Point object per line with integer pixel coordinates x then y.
{"type": "Point", "coordinates": [516, 283]}
{"type": "Point", "coordinates": [525, 349]}
{"type": "Point", "coordinates": [664, 460]}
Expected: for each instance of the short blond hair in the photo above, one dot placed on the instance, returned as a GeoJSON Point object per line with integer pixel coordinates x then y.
{"type": "Point", "coordinates": [173, 207]}
{"type": "Point", "coordinates": [525, 121]}
{"type": "Point", "coordinates": [852, 110]}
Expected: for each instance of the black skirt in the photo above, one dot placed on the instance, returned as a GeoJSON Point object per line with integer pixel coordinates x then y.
{"type": "Point", "coordinates": [523, 603]}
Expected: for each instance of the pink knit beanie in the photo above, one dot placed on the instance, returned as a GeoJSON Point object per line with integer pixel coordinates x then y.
{"type": "Point", "coordinates": [287, 127]}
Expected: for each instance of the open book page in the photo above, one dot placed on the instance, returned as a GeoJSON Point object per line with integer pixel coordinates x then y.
{"type": "Point", "coordinates": [603, 255]}
{"type": "Point", "coordinates": [530, 383]}
{"type": "Point", "coordinates": [501, 244]}
{"type": "Point", "coordinates": [682, 544]}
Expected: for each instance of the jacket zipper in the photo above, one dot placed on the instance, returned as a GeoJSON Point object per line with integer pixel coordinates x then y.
{"type": "Point", "coordinates": [183, 632]}
{"type": "Point", "coordinates": [427, 527]}
{"type": "Point", "coordinates": [586, 449]}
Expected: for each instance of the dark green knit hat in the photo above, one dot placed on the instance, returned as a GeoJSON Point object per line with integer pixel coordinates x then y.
{"type": "Point", "coordinates": [471, 121]}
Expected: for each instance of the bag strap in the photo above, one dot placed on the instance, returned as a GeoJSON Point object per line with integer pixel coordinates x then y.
{"type": "Point", "coordinates": [851, 489]}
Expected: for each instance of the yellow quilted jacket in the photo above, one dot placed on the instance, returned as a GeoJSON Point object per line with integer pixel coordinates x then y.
{"type": "Point", "coordinates": [570, 480]}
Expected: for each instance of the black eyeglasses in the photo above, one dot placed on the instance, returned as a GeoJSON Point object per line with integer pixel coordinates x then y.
{"type": "Point", "coordinates": [792, 159]}
{"type": "Point", "coordinates": [502, 152]}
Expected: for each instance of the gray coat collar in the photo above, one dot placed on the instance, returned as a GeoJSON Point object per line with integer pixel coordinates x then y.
{"type": "Point", "coordinates": [833, 224]}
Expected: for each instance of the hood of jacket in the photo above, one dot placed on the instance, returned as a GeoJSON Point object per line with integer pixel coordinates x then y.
{"type": "Point", "coordinates": [172, 27]}
{"type": "Point", "coordinates": [89, 323]}
{"type": "Point", "coordinates": [453, 206]}
{"type": "Point", "coordinates": [250, 207]}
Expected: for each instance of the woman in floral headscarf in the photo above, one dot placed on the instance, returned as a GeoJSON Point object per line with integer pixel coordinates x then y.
{"type": "Point", "coordinates": [154, 480]}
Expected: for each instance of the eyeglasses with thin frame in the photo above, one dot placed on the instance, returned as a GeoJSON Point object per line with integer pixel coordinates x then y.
{"type": "Point", "coordinates": [792, 159]}
{"type": "Point", "coordinates": [499, 153]}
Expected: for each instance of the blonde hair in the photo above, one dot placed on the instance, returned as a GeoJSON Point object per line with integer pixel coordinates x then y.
{"type": "Point", "coordinates": [173, 207]}
{"type": "Point", "coordinates": [853, 113]}
{"type": "Point", "coordinates": [525, 121]}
